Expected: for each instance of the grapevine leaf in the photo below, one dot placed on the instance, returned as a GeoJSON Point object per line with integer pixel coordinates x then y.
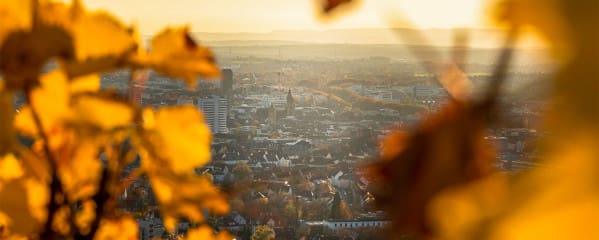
{"type": "Point", "coordinates": [85, 216]}
{"type": "Point", "coordinates": [123, 228]}
{"type": "Point", "coordinates": [58, 100]}
{"type": "Point", "coordinates": [88, 30]}
{"type": "Point", "coordinates": [51, 99]}
{"type": "Point", "coordinates": [24, 123]}
{"type": "Point", "coordinates": [546, 16]}
{"type": "Point", "coordinates": [199, 195]}
{"type": "Point", "coordinates": [175, 53]}
{"type": "Point", "coordinates": [9, 168]}
{"type": "Point", "coordinates": [180, 138]}
{"type": "Point", "coordinates": [80, 154]}
{"type": "Point", "coordinates": [446, 150]}
{"type": "Point", "coordinates": [456, 212]}
{"type": "Point", "coordinates": [99, 34]}
{"type": "Point", "coordinates": [178, 141]}
{"type": "Point", "coordinates": [12, 205]}
{"type": "Point", "coordinates": [86, 83]}
{"type": "Point", "coordinates": [22, 199]}
{"type": "Point", "coordinates": [101, 111]}
{"type": "Point", "coordinates": [202, 232]}
{"type": "Point", "coordinates": [566, 208]}
{"type": "Point", "coordinates": [25, 52]}
{"type": "Point", "coordinates": [205, 232]}
{"type": "Point", "coordinates": [16, 16]}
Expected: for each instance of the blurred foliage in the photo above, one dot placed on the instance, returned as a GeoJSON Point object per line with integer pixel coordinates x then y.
{"type": "Point", "coordinates": [437, 181]}
{"type": "Point", "coordinates": [67, 183]}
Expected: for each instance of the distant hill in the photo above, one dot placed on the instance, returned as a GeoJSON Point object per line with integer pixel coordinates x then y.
{"type": "Point", "coordinates": [218, 43]}
{"type": "Point", "coordinates": [439, 37]}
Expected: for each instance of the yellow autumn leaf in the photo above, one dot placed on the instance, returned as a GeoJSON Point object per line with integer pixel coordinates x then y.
{"type": "Point", "coordinates": [87, 83]}
{"type": "Point", "coordinates": [15, 199]}
{"type": "Point", "coordinates": [34, 165]}
{"type": "Point", "coordinates": [199, 194]}
{"type": "Point", "coordinates": [85, 216]}
{"type": "Point", "coordinates": [99, 35]}
{"type": "Point", "coordinates": [566, 208]}
{"type": "Point", "coordinates": [64, 31]}
{"type": "Point", "coordinates": [54, 13]}
{"type": "Point", "coordinates": [51, 99]}
{"type": "Point", "coordinates": [170, 223]}
{"type": "Point", "coordinates": [123, 228]}
{"type": "Point", "coordinates": [80, 184]}
{"type": "Point", "coordinates": [180, 138]}
{"type": "Point", "coordinates": [61, 223]}
{"type": "Point", "coordinates": [10, 168]}
{"type": "Point", "coordinates": [456, 212]}
{"type": "Point", "coordinates": [148, 118]}
{"type": "Point", "coordinates": [88, 30]}
{"type": "Point", "coordinates": [54, 104]}
{"type": "Point", "coordinates": [47, 39]}
{"type": "Point", "coordinates": [103, 112]}
{"type": "Point", "coordinates": [24, 122]}
{"type": "Point", "coordinates": [547, 18]}
{"type": "Point", "coordinates": [175, 53]}
{"type": "Point", "coordinates": [224, 235]}
{"type": "Point", "coordinates": [200, 233]}
{"type": "Point", "coordinates": [38, 196]}
{"type": "Point", "coordinates": [15, 15]}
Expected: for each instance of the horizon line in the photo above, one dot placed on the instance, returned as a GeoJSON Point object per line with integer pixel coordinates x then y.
{"type": "Point", "coordinates": [346, 29]}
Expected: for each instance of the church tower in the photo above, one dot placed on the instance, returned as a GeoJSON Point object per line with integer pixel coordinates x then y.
{"type": "Point", "coordinates": [290, 104]}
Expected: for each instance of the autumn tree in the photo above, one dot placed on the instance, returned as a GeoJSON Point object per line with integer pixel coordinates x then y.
{"type": "Point", "coordinates": [263, 232]}
{"type": "Point", "coordinates": [339, 209]}
{"type": "Point", "coordinates": [241, 171]}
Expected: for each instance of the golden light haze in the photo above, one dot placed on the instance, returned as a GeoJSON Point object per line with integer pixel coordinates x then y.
{"type": "Point", "coordinates": [271, 15]}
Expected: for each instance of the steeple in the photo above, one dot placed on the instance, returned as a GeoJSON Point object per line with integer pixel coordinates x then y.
{"type": "Point", "coordinates": [290, 103]}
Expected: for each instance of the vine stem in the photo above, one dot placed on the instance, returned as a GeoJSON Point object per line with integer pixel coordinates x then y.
{"type": "Point", "coordinates": [55, 183]}
{"type": "Point", "coordinates": [100, 198]}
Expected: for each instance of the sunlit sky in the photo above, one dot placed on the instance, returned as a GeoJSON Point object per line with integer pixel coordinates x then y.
{"type": "Point", "coordinates": [271, 15]}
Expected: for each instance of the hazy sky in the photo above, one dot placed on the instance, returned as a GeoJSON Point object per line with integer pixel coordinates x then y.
{"type": "Point", "coordinates": [269, 15]}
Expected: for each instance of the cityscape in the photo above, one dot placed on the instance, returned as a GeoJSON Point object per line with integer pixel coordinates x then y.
{"type": "Point", "coordinates": [292, 133]}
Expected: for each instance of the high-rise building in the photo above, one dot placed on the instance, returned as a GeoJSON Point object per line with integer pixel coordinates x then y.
{"type": "Point", "coordinates": [215, 110]}
{"type": "Point", "coordinates": [227, 82]}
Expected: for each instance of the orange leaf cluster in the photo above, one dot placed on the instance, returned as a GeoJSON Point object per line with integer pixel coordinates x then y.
{"type": "Point", "coordinates": [79, 130]}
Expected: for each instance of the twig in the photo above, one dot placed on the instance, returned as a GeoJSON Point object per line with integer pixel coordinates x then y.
{"type": "Point", "coordinates": [55, 183]}
{"type": "Point", "coordinates": [100, 198]}
{"type": "Point", "coordinates": [488, 104]}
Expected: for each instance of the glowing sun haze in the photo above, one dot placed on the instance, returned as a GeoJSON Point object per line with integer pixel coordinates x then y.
{"type": "Point", "coordinates": [271, 15]}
